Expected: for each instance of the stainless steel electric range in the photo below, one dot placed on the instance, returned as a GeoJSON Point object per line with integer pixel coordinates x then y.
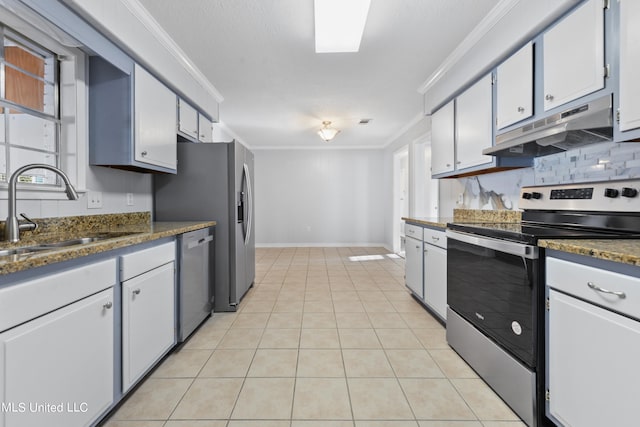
{"type": "Point", "coordinates": [495, 281]}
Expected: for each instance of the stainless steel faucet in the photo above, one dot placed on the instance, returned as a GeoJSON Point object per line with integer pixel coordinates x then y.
{"type": "Point", "coordinates": [12, 227]}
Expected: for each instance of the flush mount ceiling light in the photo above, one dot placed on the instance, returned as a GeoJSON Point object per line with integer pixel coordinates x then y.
{"type": "Point", "coordinates": [340, 24]}
{"type": "Point", "coordinates": [327, 133]}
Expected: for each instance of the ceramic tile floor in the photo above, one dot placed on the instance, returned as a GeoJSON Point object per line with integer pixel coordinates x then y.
{"type": "Point", "coordinates": [323, 339]}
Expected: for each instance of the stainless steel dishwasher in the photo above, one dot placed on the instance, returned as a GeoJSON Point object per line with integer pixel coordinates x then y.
{"type": "Point", "coordinates": [195, 286]}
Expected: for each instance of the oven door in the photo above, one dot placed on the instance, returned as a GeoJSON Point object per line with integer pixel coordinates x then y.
{"type": "Point", "coordinates": [492, 283]}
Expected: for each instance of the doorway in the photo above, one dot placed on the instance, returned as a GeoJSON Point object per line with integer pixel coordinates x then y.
{"type": "Point", "coordinates": [400, 197]}
{"type": "Point", "coordinates": [425, 191]}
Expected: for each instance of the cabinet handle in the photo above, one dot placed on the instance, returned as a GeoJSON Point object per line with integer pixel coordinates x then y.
{"type": "Point", "coordinates": [144, 153]}
{"type": "Point", "coordinates": [434, 238]}
{"type": "Point", "coordinates": [548, 97]}
{"type": "Point", "coordinates": [108, 305]}
{"type": "Point", "coordinates": [520, 109]}
{"type": "Point", "coordinates": [136, 291]}
{"type": "Point", "coordinates": [595, 287]}
{"type": "Point", "coordinates": [458, 162]}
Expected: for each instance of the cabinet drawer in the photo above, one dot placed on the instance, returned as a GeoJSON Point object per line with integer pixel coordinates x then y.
{"type": "Point", "coordinates": [139, 262]}
{"type": "Point", "coordinates": [27, 300]}
{"type": "Point", "coordinates": [414, 231]}
{"type": "Point", "coordinates": [589, 284]}
{"type": "Point", "coordinates": [435, 237]}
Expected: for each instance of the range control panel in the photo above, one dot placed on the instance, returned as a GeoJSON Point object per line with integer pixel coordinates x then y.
{"type": "Point", "coordinates": [617, 196]}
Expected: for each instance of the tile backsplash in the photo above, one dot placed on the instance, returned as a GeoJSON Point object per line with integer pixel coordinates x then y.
{"type": "Point", "coordinates": [598, 162]}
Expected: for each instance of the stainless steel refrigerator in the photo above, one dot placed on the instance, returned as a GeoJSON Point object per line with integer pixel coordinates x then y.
{"type": "Point", "coordinates": [215, 182]}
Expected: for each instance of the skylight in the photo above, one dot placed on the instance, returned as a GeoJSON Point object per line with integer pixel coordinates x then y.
{"type": "Point", "coordinates": [340, 24]}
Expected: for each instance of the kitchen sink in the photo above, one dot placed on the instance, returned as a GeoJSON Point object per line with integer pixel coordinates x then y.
{"type": "Point", "coordinates": [72, 242]}
{"type": "Point", "coordinates": [22, 251]}
{"type": "Point", "coordinates": [87, 238]}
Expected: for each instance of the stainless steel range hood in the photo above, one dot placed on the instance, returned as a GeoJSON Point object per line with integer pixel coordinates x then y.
{"type": "Point", "coordinates": [585, 124]}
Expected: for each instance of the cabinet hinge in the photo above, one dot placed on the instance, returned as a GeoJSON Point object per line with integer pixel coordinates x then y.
{"type": "Point", "coordinates": [606, 4]}
{"type": "Point", "coordinates": [607, 71]}
{"type": "Point", "coordinates": [618, 116]}
{"type": "Point", "coordinates": [494, 79]}
{"type": "Point", "coordinates": [547, 304]}
{"type": "Point", "coordinates": [547, 396]}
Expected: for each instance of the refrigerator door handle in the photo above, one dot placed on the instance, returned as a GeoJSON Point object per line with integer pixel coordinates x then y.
{"type": "Point", "coordinates": [249, 204]}
{"type": "Point", "coordinates": [240, 207]}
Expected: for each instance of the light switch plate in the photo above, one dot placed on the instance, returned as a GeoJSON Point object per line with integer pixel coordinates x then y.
{"type": "Point", "coordinates": [129, 199]}
{"type": "Point", "coordinates": [94, 200]}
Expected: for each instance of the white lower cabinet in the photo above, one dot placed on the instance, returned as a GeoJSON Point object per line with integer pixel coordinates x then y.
{"type": "Point", "coordinates": [592, 350]}
{"type": "Point", "coordinates": [148, 310]}
{"type": "Point", "coordinates": [413, 259]}
{"type": "Point", "coordinates": [435, 271]}
{"type": "Point", "coordinates": [435, 279]}
{"type": "Point", "coordinates": [58, 368]}
{"type": "Point", "coordinates": [426, 266]}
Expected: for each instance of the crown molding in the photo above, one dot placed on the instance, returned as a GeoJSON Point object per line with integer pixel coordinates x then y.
{"type": "Point", "coordinates": [317, 148]}
{"type": "Point", "coordinates": [149, 22]}
{"type": "Point", "coordinates": [481, 30]}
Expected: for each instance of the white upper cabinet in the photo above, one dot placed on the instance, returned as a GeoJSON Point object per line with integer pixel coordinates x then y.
{"type": "Point", "coordinates": [514, 88]}
{"type": "Point", "coordinates": [155, 121]}
{"type": "Point", "coordinates": [205, 129]}
{"type": "Point", "coordinates": [629, 64]}
{"type": "Point", "coordinates": [187, 119]}
{"type": "Point", "coordinates": [473, 124]}
{"type": "Point", "coordinates": [573, 52]}
{"type": "Point", "coordinates": [132, 119]}
{"type": "Point", "coordinates": [443, 139]}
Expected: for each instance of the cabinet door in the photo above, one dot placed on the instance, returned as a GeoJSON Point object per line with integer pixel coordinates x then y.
{"type": "Point", "coordinates": [473, 124]}
{"type": "Point", "coordinates": [573, 53]}
{"type": "Point", "coordinates": [155, 121]}
{"type": "Point", "coordinates": [442, 139]}
{"type": "Point", "coordinates": [514, 90]}
{"type": "Point", "coordinates": [435, 279]}
{"type": "Point", "coordinates": [413, 266]}
{"type": "Point", "coordinates": [592, 364]}
{"type": "Point", "coordinates": [187, 119]}
{"type": "Point", "coordinates": [205, 133]}
{"type": "Point", "coordinates": [629, 64]}
{"type": "Point", "coordinates": [148, 321]}
{"type": "Point", "coordinates": [64, 358]}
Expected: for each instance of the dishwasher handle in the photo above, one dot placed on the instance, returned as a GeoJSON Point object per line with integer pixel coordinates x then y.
{"type": "Point", "coordinates": [199, 242]}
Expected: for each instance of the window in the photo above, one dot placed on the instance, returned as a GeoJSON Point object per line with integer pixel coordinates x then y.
{"type": "Point", "coordinates": [29, 109]}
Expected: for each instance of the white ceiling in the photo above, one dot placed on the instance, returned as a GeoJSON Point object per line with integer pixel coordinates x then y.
{"type": "Point", "coordinates": [277, 91]}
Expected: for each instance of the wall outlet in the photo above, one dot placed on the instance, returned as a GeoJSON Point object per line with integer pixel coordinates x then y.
{"type": "Point", "coordinates": [129, 199]}
{"type": "Point", "coordinates": [94, 200]}
{"type": "Point", "coordinates": [461, 198]}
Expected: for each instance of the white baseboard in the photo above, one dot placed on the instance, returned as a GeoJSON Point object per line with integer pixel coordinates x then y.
{"type": "Point", "coordinates": [322, 245]}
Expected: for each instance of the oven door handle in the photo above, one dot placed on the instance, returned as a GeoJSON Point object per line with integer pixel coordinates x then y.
{"type": "Point", "coordinates": [513, 248]}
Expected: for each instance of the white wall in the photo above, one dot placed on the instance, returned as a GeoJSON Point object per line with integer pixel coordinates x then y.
{"type": "Point", "coordinates": [319, 197]}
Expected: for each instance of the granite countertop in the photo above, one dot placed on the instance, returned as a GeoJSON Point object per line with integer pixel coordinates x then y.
{"type": "Point", "coordinates": [468, 216]}
{"type": "Point", "coordinates": [626, 251]}
{"type": "Point", "coordinates": [126, 233]}
{"type": "Point", "coordinates": [429, 222]}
